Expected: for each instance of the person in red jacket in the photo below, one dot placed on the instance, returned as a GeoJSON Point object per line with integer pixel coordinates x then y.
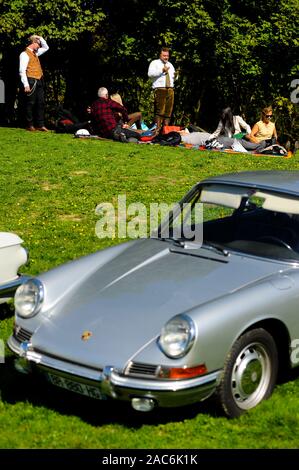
{"type": "Point", "coordinates": [103, 118]}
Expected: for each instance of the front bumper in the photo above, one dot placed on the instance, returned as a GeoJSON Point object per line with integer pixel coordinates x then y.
{"type": "Point", "coordinates": [112, 384]}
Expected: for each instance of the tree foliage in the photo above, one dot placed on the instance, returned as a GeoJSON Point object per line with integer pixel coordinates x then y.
{"type": "Point", "coordinates": [243, 54]}
{"type": "Point", "coordinates": [60, 20]}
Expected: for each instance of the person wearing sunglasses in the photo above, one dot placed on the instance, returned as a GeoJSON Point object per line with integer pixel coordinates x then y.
{"type": "Point", "coordinates": [264, 130]}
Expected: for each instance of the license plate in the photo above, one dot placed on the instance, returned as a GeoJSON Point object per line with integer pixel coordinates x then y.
{"type": "Point", "coordinates": [77, 387]}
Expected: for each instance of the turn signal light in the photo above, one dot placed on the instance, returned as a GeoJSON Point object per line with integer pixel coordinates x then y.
{"type": "Point", "coordinates": [179, 373]}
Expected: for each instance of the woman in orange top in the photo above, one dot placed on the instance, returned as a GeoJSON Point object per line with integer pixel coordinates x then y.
{"type": "Point", "coordinates": [263, 129]}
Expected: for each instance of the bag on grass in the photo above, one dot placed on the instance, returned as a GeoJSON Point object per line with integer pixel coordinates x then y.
{"type": "Point", "coordinates": [171, 139]}
{"type": "Point", "coordinates": [168, 129]}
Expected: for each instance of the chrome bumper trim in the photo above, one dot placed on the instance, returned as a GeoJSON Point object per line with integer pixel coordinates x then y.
{"type": "Point", "coordinates": [112, 384]}
{"type": "Point", "coordinates": [8, 289]}
{"type": "Point", "coordinates": [44, 361]}
{"type": "Point", "coordinates": [161, 385]}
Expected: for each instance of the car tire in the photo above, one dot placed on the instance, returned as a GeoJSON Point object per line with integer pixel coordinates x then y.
{"type": "Point", "coordinates": [249, 374]}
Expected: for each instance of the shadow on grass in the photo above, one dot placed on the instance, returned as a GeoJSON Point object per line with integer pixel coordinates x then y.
{"type": "Point", "coordinates": [6, 311]}
{"type": "Point", "coordinates": [16, 387]}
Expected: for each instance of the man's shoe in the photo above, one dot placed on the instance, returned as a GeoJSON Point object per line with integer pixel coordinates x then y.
{"type": "Point", "coordinates": [43, 129]}
{"type": "Point", "coordinates": [30, 128]}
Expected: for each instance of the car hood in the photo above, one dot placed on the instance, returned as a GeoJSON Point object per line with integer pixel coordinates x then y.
{"type": "Point", "coordinates": [122, 306]}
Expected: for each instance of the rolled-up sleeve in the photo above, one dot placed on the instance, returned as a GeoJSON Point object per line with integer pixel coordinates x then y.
{"type": "Point", "coordinates": [44, 47]}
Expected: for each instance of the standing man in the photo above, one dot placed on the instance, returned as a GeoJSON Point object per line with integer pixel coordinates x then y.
{"type": "Point", "coordinates": [162, 74]}
{"type": "Point", "coordinates": [31, 74]}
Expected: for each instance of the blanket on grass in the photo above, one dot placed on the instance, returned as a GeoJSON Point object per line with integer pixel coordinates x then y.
{"type": "Point", "coordinates": [203, 149]}
{"type": "Point", "coordinates": [190, 146]}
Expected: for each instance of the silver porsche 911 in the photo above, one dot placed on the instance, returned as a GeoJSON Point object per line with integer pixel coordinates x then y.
{"type": "Point", "coordinates": [204, 307]}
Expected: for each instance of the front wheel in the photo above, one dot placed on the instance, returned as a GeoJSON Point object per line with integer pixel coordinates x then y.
{"type": "Point", "coordinates": [249, 373]}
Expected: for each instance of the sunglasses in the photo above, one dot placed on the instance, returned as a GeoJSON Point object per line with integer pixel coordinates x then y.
{"type": "Point", "coordinates": [269, 116]}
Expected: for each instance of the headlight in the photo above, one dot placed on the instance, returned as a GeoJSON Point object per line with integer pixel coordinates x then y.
{"type": "Point", "coordinates": [29, 297]}
{"type": "Point", "coordinates": [177, 336]}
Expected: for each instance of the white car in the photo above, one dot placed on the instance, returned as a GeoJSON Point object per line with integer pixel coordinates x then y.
{"type": "Point", "coordinates": [12, 256]}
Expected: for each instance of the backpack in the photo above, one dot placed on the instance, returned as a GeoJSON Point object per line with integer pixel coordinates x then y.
{"type": "Point", "coordinates": [171, 139]}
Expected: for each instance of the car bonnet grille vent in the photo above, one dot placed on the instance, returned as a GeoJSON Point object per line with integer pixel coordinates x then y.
{"type": "Point", "coordinates": [142, 370]}
{"type": "Point", "coordinates": [22, 335]}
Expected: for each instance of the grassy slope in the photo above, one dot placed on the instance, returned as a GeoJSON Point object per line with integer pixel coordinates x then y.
{"type": "Point", "coordinates": [49, 187]}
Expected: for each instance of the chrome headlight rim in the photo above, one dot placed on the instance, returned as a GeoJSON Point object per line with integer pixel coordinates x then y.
{"type": "Point", "coordinates": [191, 336]}
{"type": "Point", "coordinates": [39, 298]}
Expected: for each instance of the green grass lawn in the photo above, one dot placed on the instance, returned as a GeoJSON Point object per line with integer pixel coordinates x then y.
{"type": "Point", "coordinates": [49, 187]}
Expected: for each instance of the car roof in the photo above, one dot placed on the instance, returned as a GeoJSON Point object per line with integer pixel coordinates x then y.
{"type": "Point", "coordinates": [286, 182]}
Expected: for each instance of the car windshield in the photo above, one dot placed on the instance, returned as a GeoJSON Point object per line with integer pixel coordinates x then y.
{"type": "Point", "coordinates": [234, 219]}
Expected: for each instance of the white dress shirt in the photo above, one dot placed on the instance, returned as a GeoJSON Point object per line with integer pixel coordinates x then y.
{"type": "Point", "coordinates": [157, 76]}
{"type": "Point", "coordinates": [238, 123]}
{"type": "Point", "coordinates": [24, 59]}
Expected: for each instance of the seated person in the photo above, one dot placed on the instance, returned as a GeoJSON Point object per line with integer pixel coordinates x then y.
{"type": "Point", "coordinates": [133, 117]}
{"type": "Point", "coordinates": [230, 125]}
{"type": "Point", "coordinates": [68, 123]}
{"type": "Point", "coordinates": [227, 131]}
{"type": "Point", "coordinates": [264, 129]}
{"type": "Point", "coordinates": [258, 138]}
{"type": "Point", "coordinates": [104, 122]}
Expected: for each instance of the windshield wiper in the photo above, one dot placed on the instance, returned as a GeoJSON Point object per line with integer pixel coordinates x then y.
{"type": "Point", "coordinates": [215, 247]}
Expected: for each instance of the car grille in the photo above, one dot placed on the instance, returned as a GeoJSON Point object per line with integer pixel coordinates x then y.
{"type": "Point", "coordinates": [142, 370]}
{"type": "Point", "coordinates": [21, 334]}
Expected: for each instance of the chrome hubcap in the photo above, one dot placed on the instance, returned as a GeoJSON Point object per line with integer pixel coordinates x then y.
{"type": "Point", "coordinates": [251, 376]}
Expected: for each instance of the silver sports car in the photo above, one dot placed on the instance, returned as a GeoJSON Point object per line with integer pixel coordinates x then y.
{"type": "Point", "coordinates": [203, 307]}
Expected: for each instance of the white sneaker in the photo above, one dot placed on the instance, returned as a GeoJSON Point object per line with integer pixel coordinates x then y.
{"type": "Point", "coordinates": [217, 145]}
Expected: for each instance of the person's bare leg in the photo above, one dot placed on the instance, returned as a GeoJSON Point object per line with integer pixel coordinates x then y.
{"type": "Point", "coordinates": [135, 118]}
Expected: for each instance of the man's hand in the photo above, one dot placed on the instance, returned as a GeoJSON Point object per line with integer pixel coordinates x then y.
{"type": "Point", "coordinates": [165, 69]}
{"type": "Point", "coordinates": [27, 89]}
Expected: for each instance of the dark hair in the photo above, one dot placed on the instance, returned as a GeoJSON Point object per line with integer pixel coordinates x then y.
{"type": "Point", "coordinates": [227, 121]}
{"type": "Point", "coordinates": [165, 49]}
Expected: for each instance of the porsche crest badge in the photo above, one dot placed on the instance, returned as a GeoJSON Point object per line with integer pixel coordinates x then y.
{"type": "Point", "coordinates": [86, 335]}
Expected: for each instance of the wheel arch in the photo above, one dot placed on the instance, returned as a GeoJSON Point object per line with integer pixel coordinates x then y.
{"type": "Point", "coordinates": [279, 332]}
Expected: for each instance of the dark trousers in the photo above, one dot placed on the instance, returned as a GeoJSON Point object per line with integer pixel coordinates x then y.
{"type": "Point", "coordinates": [115, 133]}
{"type": "Point", "coordinates": [35, 103]}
